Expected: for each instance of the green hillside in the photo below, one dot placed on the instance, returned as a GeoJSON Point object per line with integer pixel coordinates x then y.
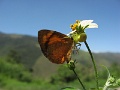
{"type": "Point", "coordinates": [28, 50]}
{"type": "Point", "coordinates": [23, 65]}
{"type": "Point", "coordinates": [25, 46]}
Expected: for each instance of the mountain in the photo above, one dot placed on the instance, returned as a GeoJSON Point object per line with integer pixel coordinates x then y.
{"type": "Point", "coordinates": [26, 47]}
{"type": "Point", "coordinates": [30, 54]}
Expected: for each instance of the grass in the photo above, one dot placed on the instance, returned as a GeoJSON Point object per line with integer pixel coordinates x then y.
{"type": "Point", "coordinates": [13, 84]}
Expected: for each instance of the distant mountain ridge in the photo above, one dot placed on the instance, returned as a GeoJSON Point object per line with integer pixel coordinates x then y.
{"type": "Point", "coordinates": [26, 46]}
{"type": "Point", "coordinates": [31, 56]}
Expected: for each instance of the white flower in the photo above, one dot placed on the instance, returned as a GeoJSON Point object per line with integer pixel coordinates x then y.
{"type": "Point", "coordinates": [80, 26]}
{"type": "Point", "coordinates": [88, 24]}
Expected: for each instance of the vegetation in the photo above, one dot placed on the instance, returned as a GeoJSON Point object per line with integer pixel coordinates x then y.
{"type": "Point", "coordinates": [23, 67]}
{"type": "Point", "coordinates": [14, 76]}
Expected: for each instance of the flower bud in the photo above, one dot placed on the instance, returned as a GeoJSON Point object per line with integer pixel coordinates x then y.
{"type": "Point", "coordinates": [83, 37]}
{"type": "Point", "coordinates": [71, 65]}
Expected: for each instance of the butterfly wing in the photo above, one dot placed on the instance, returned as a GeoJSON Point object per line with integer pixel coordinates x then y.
{"type": "Point", "coordinates": [55, 45]}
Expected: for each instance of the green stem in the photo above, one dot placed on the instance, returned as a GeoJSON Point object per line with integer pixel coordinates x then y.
{"type": "Point", "coordinates": [107, 82]}
{"type": "Point", "coordinates": [79, 80]}
{"type": "Point", "coordinates": [105, 87]}
{"type": "Point", "coordinates": [95, 68]}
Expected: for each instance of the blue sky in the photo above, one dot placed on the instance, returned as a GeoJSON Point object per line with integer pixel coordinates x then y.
{"type": "Point", "coordinates": [29, 16]}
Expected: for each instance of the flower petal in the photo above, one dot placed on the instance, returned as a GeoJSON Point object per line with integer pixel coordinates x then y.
{"type": "Point", "coordinates": [71, 32]}
{"type": "Point", "coordinates": [85, 22]}
{"type": "Point", "coordinates": [93, 25]}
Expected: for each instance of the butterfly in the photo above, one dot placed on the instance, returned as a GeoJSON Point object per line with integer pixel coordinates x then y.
{"type": "Point", "coordinates": [57, 47]}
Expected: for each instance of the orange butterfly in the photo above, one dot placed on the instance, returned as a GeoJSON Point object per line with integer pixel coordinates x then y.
{"type": "Point", "coordinates": [57, 47]}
